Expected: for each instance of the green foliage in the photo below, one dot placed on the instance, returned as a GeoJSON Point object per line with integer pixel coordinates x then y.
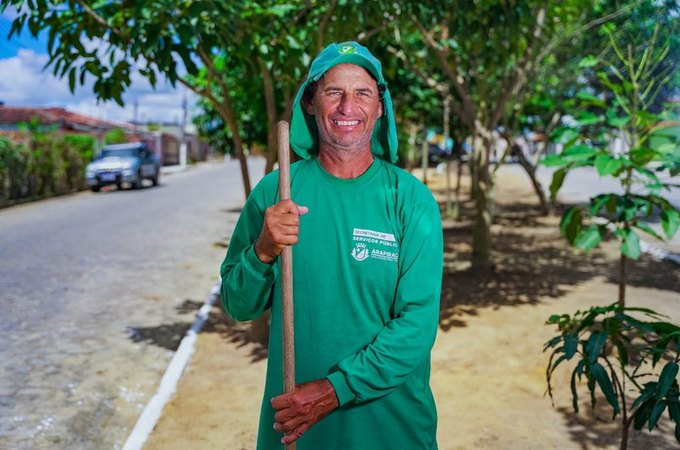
{"type": "Point", "coordinates": [115, 136]}
{"type": "Point", "coordinates": [609, 346]}
{"type": "Point", "coordinates": [622, 109]}
{"type": "Point", "coordinates": [149, 37]}
{"type": "Point", "coordinates": [44, 164]}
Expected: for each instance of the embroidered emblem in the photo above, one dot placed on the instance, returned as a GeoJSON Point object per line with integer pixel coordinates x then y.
{"type": "Point", "coordinates": [347, 50]}
{"type": "Point", "coordinates": [360, 252]}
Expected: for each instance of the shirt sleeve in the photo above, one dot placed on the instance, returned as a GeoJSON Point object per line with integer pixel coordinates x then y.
{"type": "Point", "coordinates": [247, 282]}
{"type": "Point", "coordinates": [406, 341]}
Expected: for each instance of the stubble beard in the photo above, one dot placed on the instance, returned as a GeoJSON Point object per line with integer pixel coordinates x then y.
{"type": "Point", "coordinates": [343, 147]}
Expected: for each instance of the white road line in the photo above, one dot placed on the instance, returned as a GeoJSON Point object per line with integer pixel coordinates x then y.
{"type": "Point", "coordinates": [153, 410]}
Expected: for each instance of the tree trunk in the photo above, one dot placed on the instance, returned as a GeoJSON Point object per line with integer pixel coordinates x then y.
{"type": "Point", "coordinates": [447, 132]}
{"type": "Point", "coordinates": [411, 152]}
{"type": "Point", "coordinates": [270, 104]}
{"type": "Point", "coordinates": [530, 169]}
{"type": "Point", "coordinates": [459, 173]}
{"type": "Point", "coordinates": [424, 157]}
{"type": "Point", "coordinates": [226, 110]}
{"type": "Point", "coordinates": [243, 161]}
{"type": "Point", "coordinates": [481, 240]}
{"type": "Point", "coordinates": [474, 170]}
{"type": "Point", "coordinates": [622, 281]}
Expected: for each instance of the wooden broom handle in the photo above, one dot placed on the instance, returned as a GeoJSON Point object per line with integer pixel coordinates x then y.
{"type": "Point", "coordinates": [286, 269]}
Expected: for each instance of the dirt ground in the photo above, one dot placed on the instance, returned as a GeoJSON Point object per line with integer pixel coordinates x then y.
{"type": "Point", "coordinates": [488, 368]}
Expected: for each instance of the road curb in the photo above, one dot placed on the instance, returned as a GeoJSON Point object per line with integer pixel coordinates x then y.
{"type": "Point", "coordinates": [646, 247]}
{"type": "Point", "coordinates": [154, 409]}
{"type": "Point", "coordinates": [659, 253]}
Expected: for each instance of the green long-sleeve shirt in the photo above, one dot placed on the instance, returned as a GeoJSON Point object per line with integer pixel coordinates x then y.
{"type": "Point", "coordinates": [367, 279]}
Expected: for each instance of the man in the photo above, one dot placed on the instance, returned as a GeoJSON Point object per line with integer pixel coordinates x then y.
{"type": "Point", "coordinates": [367, 252]}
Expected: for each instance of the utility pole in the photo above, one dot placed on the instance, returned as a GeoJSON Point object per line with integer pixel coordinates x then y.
{"type": "Point", "coordinates": [182, 142]}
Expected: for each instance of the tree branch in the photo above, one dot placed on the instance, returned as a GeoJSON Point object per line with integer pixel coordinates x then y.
{"type": "Point", "coordinates": [467, 106]}
{"type": "Point", "coordinates": [323, 22]}
{"type": "Point", "coordinates": [367, 34]}
{"type": "Point", "coordinates": [607, 18]}
{"type": "Point", "coordinates": [431, 82]}
{"type": "Point", "coordinates": [99, 19]}
{"type": "Point", "coordinates": [512, 83]}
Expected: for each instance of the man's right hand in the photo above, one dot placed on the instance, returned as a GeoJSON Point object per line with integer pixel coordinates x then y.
{"type": "Point", "coordinates": [280, 228]}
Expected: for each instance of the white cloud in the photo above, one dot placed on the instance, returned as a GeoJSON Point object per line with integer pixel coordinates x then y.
{"type": "Point", "coordinates": [23, 82]}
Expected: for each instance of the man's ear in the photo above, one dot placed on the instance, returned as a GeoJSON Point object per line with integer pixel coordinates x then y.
{"type": "Point", "coordinates": [381, 109]}
{"type": "Point", "coordinates": [308, 106]}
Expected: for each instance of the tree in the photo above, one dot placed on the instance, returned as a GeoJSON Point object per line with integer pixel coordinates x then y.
{"type": "Point", "coordinates": [114, 136]}
{"type": "Point", "coordinates": [617, 341]}
{"type": "Point", "coordinates": [107, 41]}
{"type": "Point", "coordinates": [487, 51]}
{"type": "Point", "coordinates": [633, 83]}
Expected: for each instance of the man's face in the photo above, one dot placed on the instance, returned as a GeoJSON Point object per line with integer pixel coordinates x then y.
{"type": "Point", "coordinates": [346, 106]}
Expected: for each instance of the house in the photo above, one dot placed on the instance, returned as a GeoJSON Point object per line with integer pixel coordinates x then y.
{"type": "Point", "coordinates": [163, 143]}
{"type": "Point", "coordinates": [59, 119]}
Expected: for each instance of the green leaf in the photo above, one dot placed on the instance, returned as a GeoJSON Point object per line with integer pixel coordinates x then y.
{"type": "Point", "coordinates": [606, 165]}
{"type": "Point", "coordinates": [596, 203]}
{"type": "Point", "coordinates": [642, 414]}
{"type": "Point", "coordinates": [646, 394]}
{"type": "Point", "coordinates": [588, 61]}
{"type": "Point", "coordinates": [654, 416]}
{"type": "Point", "coordinates": [553, 161]}
{"type": "Point", "coordinates": [589, 238]}
{"type": "Point", "coordinates": [557, 181]}
{"type": "Point", "coordinates": [616, 121]}
{"type": "Point", "coordinates": [574, 393]}
{"type": "Point", "coordinates": [72, 79]}
{"type": "Point", "coordinates": [595, 345]}
{"type": "Point", "coordinates": [647, 229]}
{"type": "Point", "coordinates": [590, 99]}
{"type": "Point", "coordinates": [670, 221]}
{"type": "Point", "coordinates": [600, 374]}
{"type": "Point", "coordinates": [571, 224]}
{"type": "Point", "coordinates": [564, 135]}
{"type": "Point", "coordinates": [668, 374]}
{"type": "Point", "coordinates": [623, 353]}
{"type": "Point", "coordinates": [557, 363]}
{"type": "Point", "coordinates": [631, 244]}
{"type": "Point", "coordinates": [674, 409]}
{"type": "Point", "coordinates": [580, 152]}
{"type": "Point", "coordinates": [641, 156]}
{"type": "Point", "coordinates": [570, 345]}
{"type": "Point", "coordinates": [588, 118]}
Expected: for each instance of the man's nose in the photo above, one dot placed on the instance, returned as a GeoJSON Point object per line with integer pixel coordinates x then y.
{"type": "Point", "coordinates": [347, 104]}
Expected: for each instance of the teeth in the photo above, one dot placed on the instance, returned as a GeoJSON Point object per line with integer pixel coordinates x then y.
{"type": "Point", "coordinates": [346, 123]}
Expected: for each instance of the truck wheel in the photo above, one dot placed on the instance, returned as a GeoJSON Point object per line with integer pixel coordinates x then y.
{"type": "Point", "coordinates": [138, 182]}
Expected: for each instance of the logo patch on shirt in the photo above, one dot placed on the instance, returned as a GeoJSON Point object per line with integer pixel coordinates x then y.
{"type": "Point", "coordinates": [374, 244]}
{"type": "Point", "coordinates": [360, 252]}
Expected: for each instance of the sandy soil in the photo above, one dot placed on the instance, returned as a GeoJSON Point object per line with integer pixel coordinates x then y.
{"type": "Point", "coordinates": [488, 369]}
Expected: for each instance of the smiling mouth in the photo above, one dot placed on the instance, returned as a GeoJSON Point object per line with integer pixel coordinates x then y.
{"type": "Point", "coordinates": [346, 123]}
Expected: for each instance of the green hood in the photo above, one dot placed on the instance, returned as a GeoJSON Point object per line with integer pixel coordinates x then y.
{"type": "Point", "coordinates": [304, 135]}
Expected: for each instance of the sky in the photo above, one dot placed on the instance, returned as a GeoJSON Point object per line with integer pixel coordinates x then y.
{"type": "Point", "coordinates": [25, 82]}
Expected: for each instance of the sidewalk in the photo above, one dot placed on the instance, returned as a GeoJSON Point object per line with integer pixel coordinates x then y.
{"type": "Point", "coordinates": [488, 369]}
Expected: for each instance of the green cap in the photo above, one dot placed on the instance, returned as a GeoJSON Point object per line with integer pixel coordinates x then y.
{"type": "Point", "coordinates": [304, 135]}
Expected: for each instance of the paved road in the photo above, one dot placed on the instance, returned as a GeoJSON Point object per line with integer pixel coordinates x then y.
{"type": "Point", "coordinates": [96, 291]}
{"type": "Point", "coordinates": [583, 183]}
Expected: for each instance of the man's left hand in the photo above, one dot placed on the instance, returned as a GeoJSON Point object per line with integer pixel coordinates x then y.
{"type": "Point", "coordinates": [297, 411]}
